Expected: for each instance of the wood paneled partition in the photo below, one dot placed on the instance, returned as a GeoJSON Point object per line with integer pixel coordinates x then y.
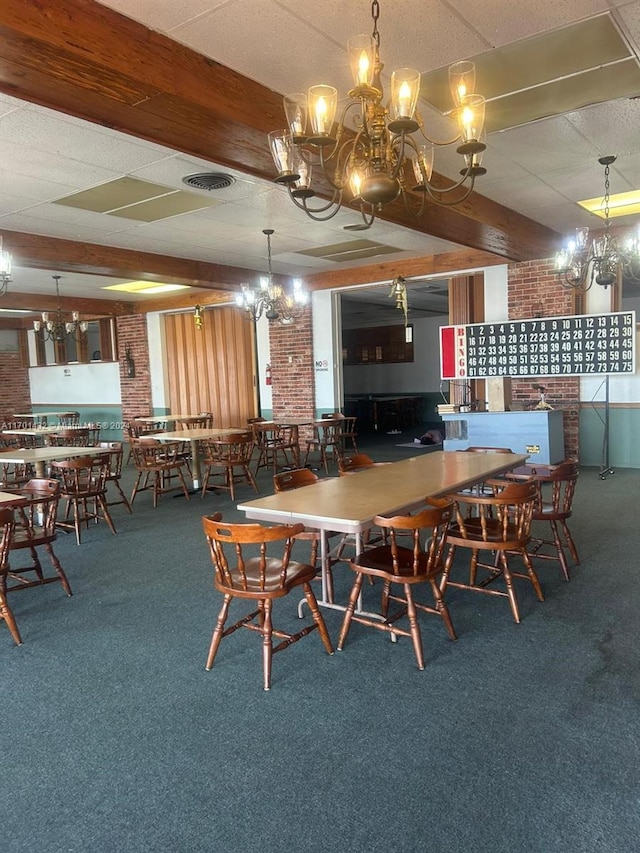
{"type": "Point", "coordinates": [212, 369]}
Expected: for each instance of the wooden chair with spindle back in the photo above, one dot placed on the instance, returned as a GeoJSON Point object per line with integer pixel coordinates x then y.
{"type": "Point", "coordinates": [83, 487]}
{"type": "Point", "coordinates": [227, 457]}
{"type": "Point", "coordinates": [261, 579]}
{"type": "Point", "coordinates": [404, 566]}
{"type": "Point", "coordinates": [497, 524]}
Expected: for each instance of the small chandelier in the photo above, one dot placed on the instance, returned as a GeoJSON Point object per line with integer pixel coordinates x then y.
{"type": "Point", "coordinates": [399, 293]}
{"type": "Point", "coordinates": [5, 269]}
{"type": "Point", "coordinates": [57, 328]}
{"type": "Point", "coordinates": [583, 262]}
{"type": "Point", "coordinates": [270, 298]}
{"type": "Point", "coordinates": [382, 156]}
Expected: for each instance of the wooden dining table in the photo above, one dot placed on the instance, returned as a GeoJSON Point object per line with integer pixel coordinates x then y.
{"type": "Point", "coordinates": [349, 504]}
{"type": "Point", "coordinates": [39, 456]}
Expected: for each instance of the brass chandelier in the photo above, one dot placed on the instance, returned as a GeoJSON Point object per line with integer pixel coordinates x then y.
{"type": "Point", "coordinates": [583, 262]}
{"type": "Point", "coordinates": [58, 329]}
{"type": "Point", "coordinates": [5, 269]}
{"type": "Point", "coordinates": [385, 151]}
{"type": "Point", "coordinates": [270, 298]}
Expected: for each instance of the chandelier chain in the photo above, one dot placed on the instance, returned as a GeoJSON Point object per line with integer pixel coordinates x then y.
{"type": "Point", "coordinates": [607, 221]}
{"type": "Point", "coordinates": [375, 14]}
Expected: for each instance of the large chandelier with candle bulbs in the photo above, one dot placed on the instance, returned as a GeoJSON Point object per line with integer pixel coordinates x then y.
{"type": "Point", "coordinates": [377, 151]}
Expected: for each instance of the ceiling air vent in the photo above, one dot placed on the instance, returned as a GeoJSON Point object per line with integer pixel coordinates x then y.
{"type": "Point", "coordinates": [209, 181]}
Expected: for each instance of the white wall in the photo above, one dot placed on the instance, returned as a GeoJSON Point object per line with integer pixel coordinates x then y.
{"type": "Point", "coordinates": [157, 361]}
{"type": "Point", "coordinates": [325, 356]}
{"type": "Point", "coordinates": [65, 385]}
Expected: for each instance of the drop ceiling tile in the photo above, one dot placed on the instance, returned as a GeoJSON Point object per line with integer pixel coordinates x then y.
{"type": "Point", "coordinates": [46, 227]}
{"type": "Point", "coordinates": [163, 207]}
{"type": "Point", "coordinates": [164, 16]}
{"type": "Point", "coordinates": [31, 189]}
{"type": "Point", "coordinates": [57, 168]}
{"type": "Point", "coordinates": [501, 23]}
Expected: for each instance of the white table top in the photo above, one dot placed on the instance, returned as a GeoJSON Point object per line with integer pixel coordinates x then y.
{"type": "Point", "coordinates": [348, 504]}
{"type": "Point", "coordinates": [12, 498]}
{"type": "Point", "coordinates": [197, 433]}
{"type": "Point", "coordinates": [41, 414]}
{"type": "Point", "coordinates": [41, 430]}
{"type": "Point", "coordinates": [45, 454]}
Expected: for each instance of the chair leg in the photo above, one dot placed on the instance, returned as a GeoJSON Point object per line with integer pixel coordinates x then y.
{"type": "Point", "coordinates": [533, 577]}
{"type": "Point", "coordinates": [55, 562]}
{"type": "Point", "coordinates": [122, 495]}
{"type": "Point", "coordinates": [317, 618]}
{"type": "Point", "coordinates": [218, 632]}
{"type": "Point", "coordinates": [571, 544]}
{"type": "Point", "coordinates": [511, 592]}
{"type": "Point", "coordinates": [348, 614]}
{"type": "Point", "coordinates": [267, 648]}
{"type": "Point", "coordinates": [7, 615]}
{"type": "Point", "coordinates": [412, 615]}
{"type": "Point", "coordinates": [105, 512]}
{"type": "Point", "coordinates": [443, 610]}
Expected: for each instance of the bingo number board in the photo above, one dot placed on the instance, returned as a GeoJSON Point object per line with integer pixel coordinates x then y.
{"type": "Point", "coordinates": [591, 344]}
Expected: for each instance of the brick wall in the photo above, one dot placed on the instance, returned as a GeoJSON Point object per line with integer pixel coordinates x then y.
{"type": "Point", "coordinates": [136, 392]}
{"type": "Point", "coordinates": [15, 395]}
{"type": "Point", "coordinates": [292, 368]}
{"type": "Point", "coordinates": [534, 291]}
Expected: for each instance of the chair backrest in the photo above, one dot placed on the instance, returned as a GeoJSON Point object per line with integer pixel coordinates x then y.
{"type": "Point", "coordinates": [357, 462]}
{"type": "Point", "coordinates": [69, 418]}
{"type": "Point", "coordinates": [86, 475]}
{"type": "Point", "coordinates": [38, 517]}
{"type": "Point", "coordinates": [79, 437]}
{"type": "Point", "coordinates": [236, 578]}
{"type": "Point", "coordinates": [233, 449]}
{"type": "Point", "coordinates": [430, 523]}
{"type": "Point", "coordinates": [559, 502]}
{"type": "Point", "coordinates": [114, 449]}
{"type": "Point", "coordinates": [196, 422]}
{"type": "Point", "coordinates": [332, 416]}
{"type": "Point", "coordinates": [147, 451]}
{"type": "Point", "coordinates": [503, 516]}
{"type": "Point", "coordinates": [296, 479]}
{"type": "Point", "coordinates": [328, 431]}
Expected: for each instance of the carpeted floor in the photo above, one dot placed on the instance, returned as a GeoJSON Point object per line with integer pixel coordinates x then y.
{"type": "Point", "coordinates": [519, 738]}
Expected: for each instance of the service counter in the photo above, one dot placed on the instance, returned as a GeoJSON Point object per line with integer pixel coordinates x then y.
{"type": "Point", "coordinates": [539, 433]}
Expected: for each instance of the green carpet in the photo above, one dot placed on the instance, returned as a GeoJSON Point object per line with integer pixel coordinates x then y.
{"type": "Point", "coordinates": [519, 738]}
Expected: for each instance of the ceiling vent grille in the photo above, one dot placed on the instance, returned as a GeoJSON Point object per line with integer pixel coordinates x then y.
{"type": "Point", "coordinates": [209, 181]}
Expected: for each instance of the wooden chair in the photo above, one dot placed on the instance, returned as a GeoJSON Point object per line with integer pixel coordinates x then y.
{"type": "Point", "coordinates": [326, 440]}
{"type": "Point", "coordinates": [297, 479]}
{"type": "Point", "coordinates": [278, 446]}
{"type": "Point", "coordinates": [158, 465]}
{"type": "Point", "coordinates": [204, 421]}
{"type": "Point", "coordinates": [499, 524]}
{"type": "Point", "coordinates": [70, 438]}
{"type": "Point", "coordinates": [357, 462]}
{"type": "Point", "coordinates": [36, 527]}
{"type": "Point", "coordinates": [554, 502]}
{"type": "Point", "coordinates": [6, 534]}
{"type": "Point", "coordinates": [83, 487]}
{"type": "Point", "coordinates": [228, 457]}
{"type": "Point", "coordinates": [404, 566]}
{"type": "Point", "coordinates": [260, 579]}
{"type": "Point", "coordinates": [69, 419]}
{"type": "Point", "coordinates": [116, 455]}
{"type": "Point", "coordinates": [349, 433]}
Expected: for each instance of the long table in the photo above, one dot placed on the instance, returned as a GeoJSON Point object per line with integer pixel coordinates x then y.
{"type": "Point", "coordinates": [349, 504]}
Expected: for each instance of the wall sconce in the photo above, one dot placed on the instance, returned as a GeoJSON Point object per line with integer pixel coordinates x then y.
{"type": "Point", "coordinates": [198, 317]}
{"type": "Point", "coordinates": [129, 363]}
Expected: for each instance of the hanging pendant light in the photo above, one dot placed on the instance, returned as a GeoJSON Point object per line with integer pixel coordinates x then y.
{"type": "Point", "coordinates": [56, 328]}
{"type": "Point", "coordinates": [270, 298]}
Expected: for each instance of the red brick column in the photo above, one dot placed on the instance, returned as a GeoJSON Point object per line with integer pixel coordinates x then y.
{"type": "Point", "coordinates": [292, 372]}
{"type": "Point", "coordinates": [15, 394]}
{"type": "Point", "coordinates": [135, 392]}
{"type": "Point", "coordinates": [535, 291]}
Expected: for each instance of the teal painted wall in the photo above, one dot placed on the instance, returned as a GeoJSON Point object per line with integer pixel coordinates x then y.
{"type": "Point", "coordinates": [624, 430]}
{"type": "Point", "coordinates": [110, 418]}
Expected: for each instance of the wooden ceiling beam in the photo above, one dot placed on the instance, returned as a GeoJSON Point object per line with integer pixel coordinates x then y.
{"type": "Point", "coordinates": [84, 59]}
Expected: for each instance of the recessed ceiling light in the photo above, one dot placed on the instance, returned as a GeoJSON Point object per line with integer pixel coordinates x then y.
{"type": "Point", "coordinates": [150, 287]}
{"type": "Point", "coordinates": [620, 204]}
